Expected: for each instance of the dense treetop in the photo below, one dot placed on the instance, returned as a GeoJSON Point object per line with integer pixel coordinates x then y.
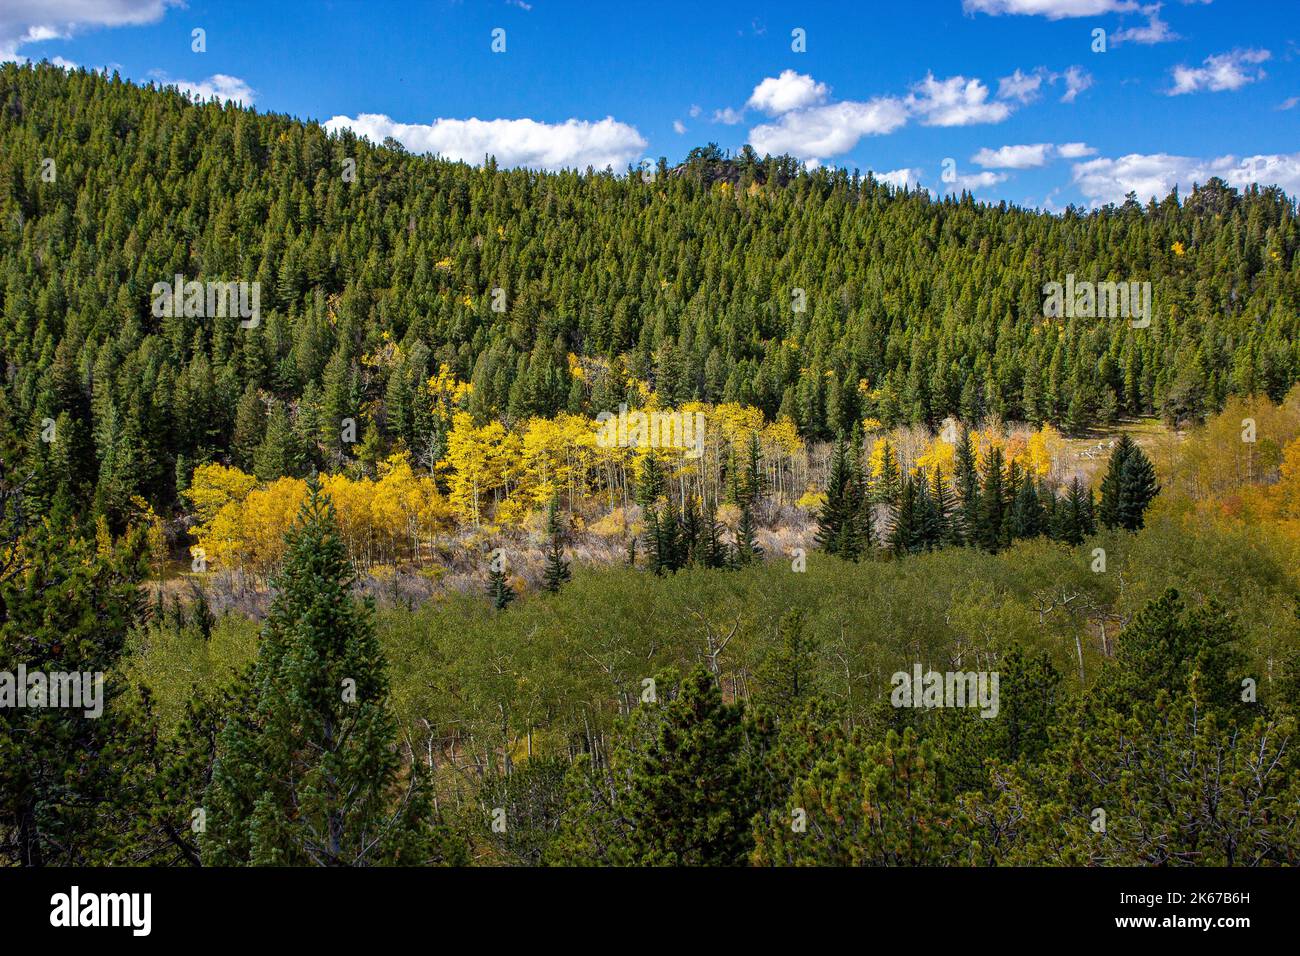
{"type": "Point", "coordinates": [915, 308]}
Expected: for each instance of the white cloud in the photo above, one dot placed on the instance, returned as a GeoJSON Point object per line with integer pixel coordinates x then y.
{"type": "Point", "coordinates": [1156, 30]}
{"type": "Point", "coordinates": [1021, 86]}
{"type": "Point", "coordinates": [1223, 71]}
{"type": "Point", "coordinates": [955, 101]}
{"type": "Point", "coordinates": [1052, 9]}
{"type": "Point", "coordinates": [220, 85]}
{"type": "Point", "coordinates": [900, 178]}
{"type": "Point", "coordinates": [695, 110]}
{"type": "Point", "coordinates": [823, 131]}
{"type": "Point", "coordinates": [1074, 150]}
{"type": "Point", "coordinates": [728, 117]}
{"type": "Point", "coordinates": [32, 21]}
{"type": "Point", "coordinates": [679, 127]}
{"type": "Point", "coordinates": [1289, 103]}
{"type": "Point", "coordinates": [1108, 180]}
{"type": "Point", "coordinates": [1014, 157]}
{"type": "Point", "coordinates": [1029, 155]}
{"type": "Point", "coordinates": [972, 183]}
{"type": "Point", "coordinates": [1077, 80]}
{"type": "Point", "coordinates": [574, 144]}
{"type": "Point", "coordinates": [789, 91]}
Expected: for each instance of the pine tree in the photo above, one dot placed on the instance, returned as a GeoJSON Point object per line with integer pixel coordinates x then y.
{"type": "Point", "coordinates": [713, 550]}
{"type": "Point", "coordinates": [1127, 488]}
{"type": "Point", "coordinates": [310, 772]}
{"type": "Point", "coordinates": [1073, 518]}
{"type": "Point", "coordinates": [966, 478]}
{"type": "Point", "coordinates": [839, 519]}
{"type": "Point", "coordinates": [888, 485]}
{"type": "Point", "coordinates": [1108, 507]}
{"type": "Point", "coordinates": [557, 572]}
{"type": "Point", "coordinates": [498, 586]}
{"type": "Point", "coordinates": [992, 513]}
{"type": "Point", "coordinates": [747, 550]}
{"type": "Point", "coordinates": [650, 487]}
{"type": "Point", "coordinates": [929, 525]}
{"type": "Point", "coordinates": [690, 795]}
{"type": "Point", "coordinates": [1028, 520]}
{"type": "Point", "coordinates": [903, 531]}
{"type": "Point", "coordinates": [945, 510]}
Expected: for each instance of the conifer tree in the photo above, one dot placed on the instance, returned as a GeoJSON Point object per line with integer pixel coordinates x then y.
{"type": "Point", "coordinates": [557, 572]}
{"type": "Point", "coordinates": [499, 588]}
{"type": "Point", "coordinates": [1127, 488]}
{"type": "Point", "coordinates": [713, 550]}
{"type": "Point", "coordinates": [650, 487]}
{"type": "Point", "coordinates": [310, 773]}
{"type": "Point", "coordinates": [690, 796]}
{"type": "Point", "coordinates": [903, 531]}
{"type": "Point", "coordinates": [1028, 520]}
{"type": "Point", "coordinates": [838, 521]}
{"type": "Point", "coordinates": [945, 510]}
{"type": "Point", "coordinates": [966, 479]}
{"type": "Point", "coordinates": [747, 550]}
{"type": "Point", "coordinates": [992, 498]}
{"type": "Point", "coordinates": [888, 485]}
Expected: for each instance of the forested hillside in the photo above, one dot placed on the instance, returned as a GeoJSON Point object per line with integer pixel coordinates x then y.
{"type": "Point", "coordinates": [825, 298]}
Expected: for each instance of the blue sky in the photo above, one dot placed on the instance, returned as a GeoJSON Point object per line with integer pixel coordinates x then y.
{"type": "Point", "coordinates": [1004, 97]}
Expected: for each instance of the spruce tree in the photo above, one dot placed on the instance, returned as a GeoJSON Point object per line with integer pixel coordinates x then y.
{"type": "Point", "coordinates": [712, 548]}
{"type": "Point", "coordinates": [1108, 507]}
{"type": "Point", "coordinates": [499, 588]}
{"type": "Point", "coordinates": [650, 486]}
{"type": "Point", "coordinates": [1137, 486]}
{"type": "Point", "coordinates": [888, 485]}
{"type": "Point", "coordinates": [945, 510]}
{"type": "Point", "coordinates": [903, 536]}
{"type": "Point", "coordinates": [690, 795]}
{"type": "Point", "coordinates": [966, 478]}
{"type": "Point", "coordinates": [1028, 520]}
{"type": "Point", "coordinates": [747, 550]}
{"type": "Point", "coordinates": [839, 518]}
{"type": "Point", "coordinates": [992, 498]}
{"type": "Point", "coordinates": [309, 773]}
{"type": "Point", "coordinates": [557, 572]}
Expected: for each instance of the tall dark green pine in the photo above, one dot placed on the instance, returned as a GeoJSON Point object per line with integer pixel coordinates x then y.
{"type": "Point", "coordinates": [929, 524]}
{"type": "Point", "coordinates": [747, 549]}
{"type": "Point", "coordinates": [889, 483]}
{"type": "Point", "coordinates": [1137, 486]}
{"type": "Point", "coordinates": [1074, 519]}
{"type": "Point", "coordinates": [651, 485]}
{"type": "Point", "coordinates": [1108, 506]}
{"type": "Point", "coordinates": [309, 773]}
{"type": "Point", "coordinates": [1028, 520]}
{"type": "Point", "coordinates": [838, 520]}
{"type": "Point", "coordinates": [690, 795]}
{"type": "Point", "coordinates": [966, 478]}
{"type": "Point", "coordinates": [903, 538]}
{"type": "Point", "coordinates": [498, 587]}
{"type": "Point", "coordinates": [945, 510]}
{"type": "Point", "coordinates": [557, 572]}
{"type": "Point", "coordinates": [992, 512]}
{"type": "Point", "coordinates": [712, 548]}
